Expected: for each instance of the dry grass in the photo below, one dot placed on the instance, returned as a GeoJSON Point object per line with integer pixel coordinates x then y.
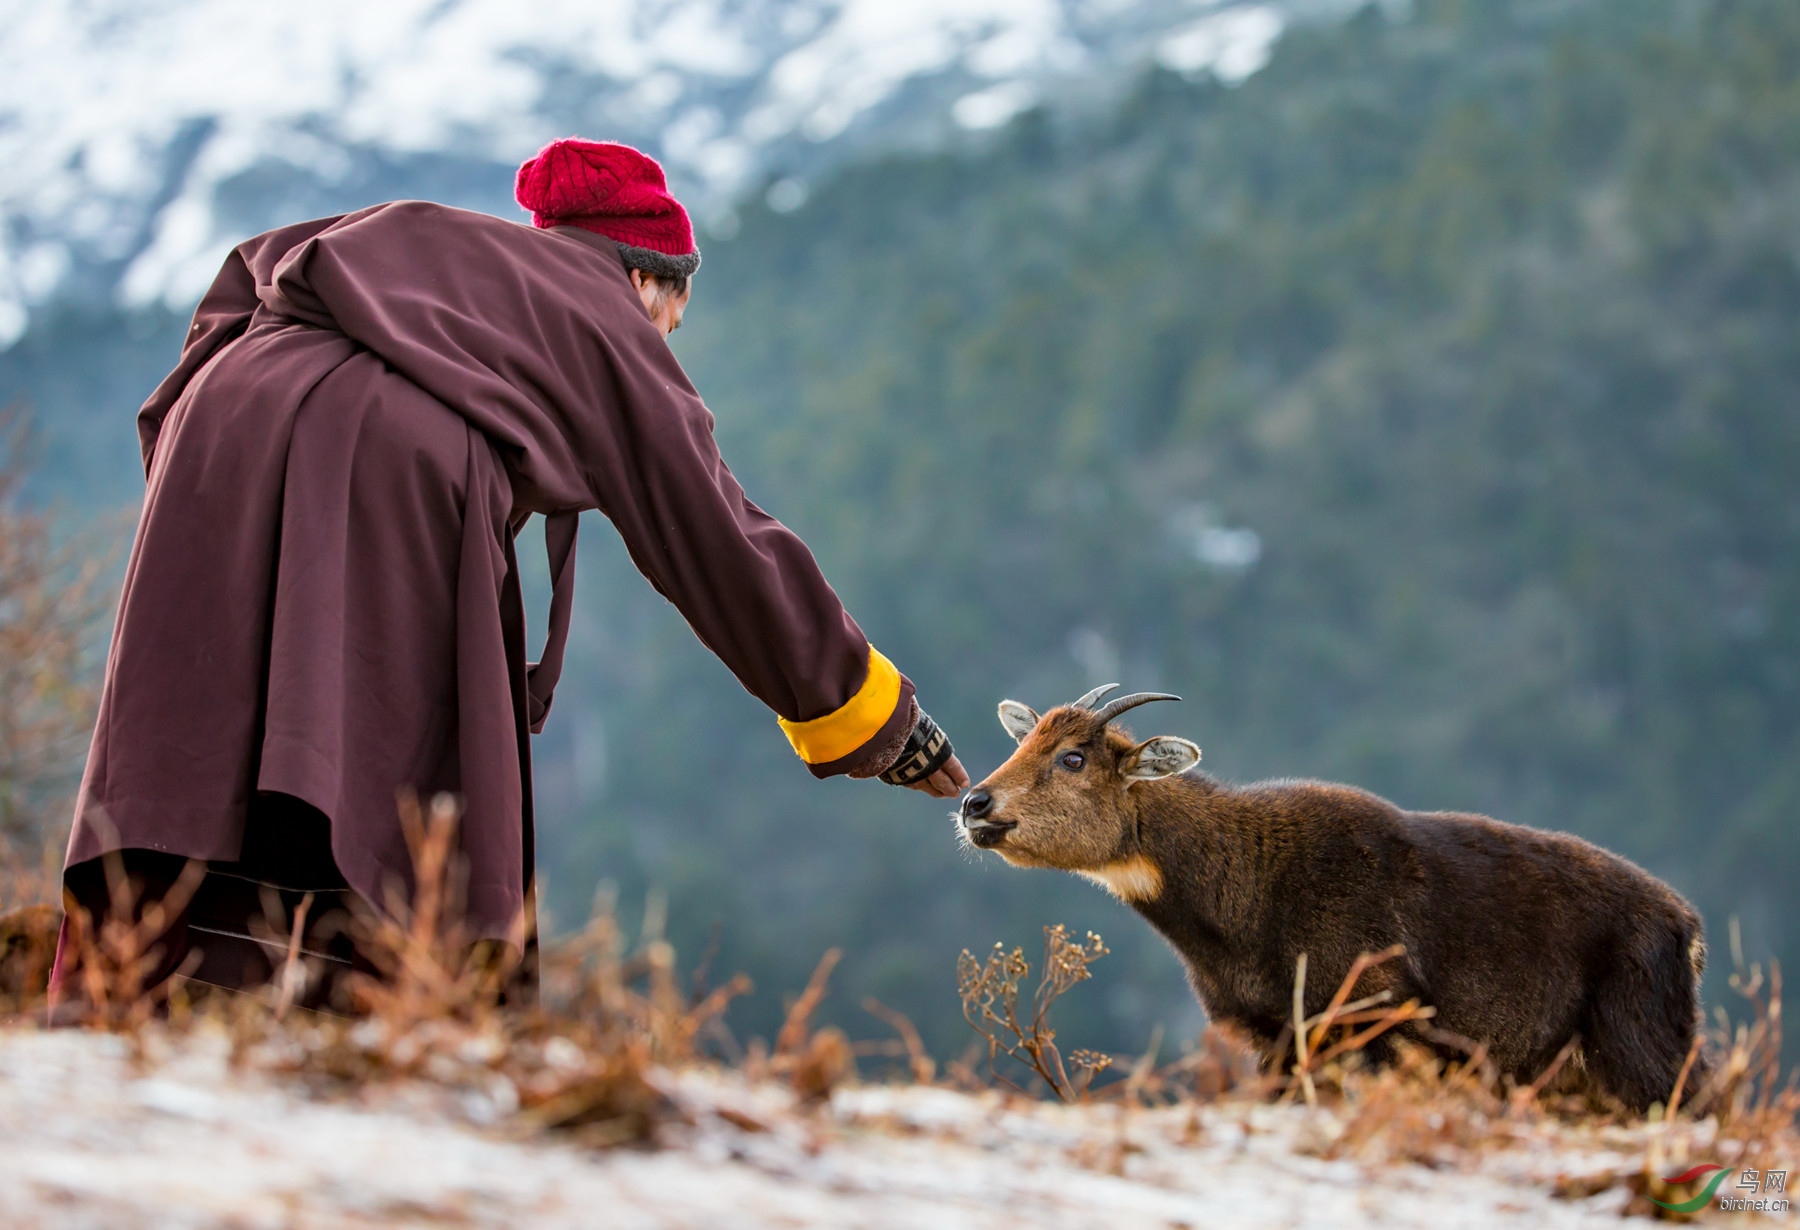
{"type": "Point", "coordinates": [590, 1056]}
{"type": "Point", "coordinates": [813, 1061]}
{"type": "Point", "coordinates": [580, 1056]}
{"type": "Point", "coordinates": [1439, 1112]}
{"type": "Point", "coordinates": [54, 596]}
{"type": "Point", "coordinates": [1442, 1105]}
{"type": "Point", "coordinates": [990, 1004]}
{"type": "Point", "coordinates": [446, 1009]}
{"type": "Point", "coordinates": [121, 954]}
{"type": "Point", "coordinates": [27, 948]}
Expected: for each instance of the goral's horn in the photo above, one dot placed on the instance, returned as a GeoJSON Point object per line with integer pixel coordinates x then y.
{"type": "Point", "coordinates": [1116, 707]}
{"type": "Point", "coordinates": [1087, 701]}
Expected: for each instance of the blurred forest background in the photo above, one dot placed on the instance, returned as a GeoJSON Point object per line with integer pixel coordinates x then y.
{"type": "Point", "coordinates": [1425, 409]}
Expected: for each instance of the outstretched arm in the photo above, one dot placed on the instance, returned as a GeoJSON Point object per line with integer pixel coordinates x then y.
{"type": "Point", "coordinates": [539, 340]}
{"type": "Point", "coordinates": [754, 594]}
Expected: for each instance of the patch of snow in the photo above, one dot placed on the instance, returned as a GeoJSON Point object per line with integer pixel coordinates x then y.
{"type": "Point", "coordinates": [1232, 44]}
{"type": "Point", "coordinates": [1198, 533]}
{"type": "Point", "coordinates": [786, 195]}
{"type": "Point", "coordinates": [86, 1139]}
{"type": "Point", "coordinates": [122, 120]}
{"type": "Point", "coordinates": [12, 316]}
{"type": "Point", "coordinates": [994, 106]}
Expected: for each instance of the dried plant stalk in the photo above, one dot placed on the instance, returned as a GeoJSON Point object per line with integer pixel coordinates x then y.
{"type": "Point", "coordinates": [922, 1066]}
{"type": "Point", "coordinates": [118, 956]}
{"type": "Point", "coordinates": [990, 1004]}
{"type": "Point", "coordinates": [1311, 1035]}
{"type": "Point", "coordinates": [55, 592]}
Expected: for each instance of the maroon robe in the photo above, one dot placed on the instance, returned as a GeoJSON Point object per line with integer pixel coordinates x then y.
{"type": "Point", "coordinates": [323, 600]}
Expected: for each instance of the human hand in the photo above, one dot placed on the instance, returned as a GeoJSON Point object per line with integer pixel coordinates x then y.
{"type": "Point", "coordinates": [948, 782]}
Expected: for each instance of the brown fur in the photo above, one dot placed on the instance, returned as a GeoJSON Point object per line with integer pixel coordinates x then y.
{"type": "Point", "coordinates": [1520, 938]}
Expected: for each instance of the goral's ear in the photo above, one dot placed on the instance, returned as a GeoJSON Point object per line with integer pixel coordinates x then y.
{"type": "Point", "coordinates": [1163, 756]}
{"type": "Point", "coordinates": [1018, 719]}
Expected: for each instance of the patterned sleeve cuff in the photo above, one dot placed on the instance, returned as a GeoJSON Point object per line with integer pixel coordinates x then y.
{"type": "Point", "coordinates": [927, 749]}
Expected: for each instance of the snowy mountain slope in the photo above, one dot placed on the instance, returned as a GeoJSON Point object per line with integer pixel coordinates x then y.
{"type": "Point", "coordinates": [140, 138]}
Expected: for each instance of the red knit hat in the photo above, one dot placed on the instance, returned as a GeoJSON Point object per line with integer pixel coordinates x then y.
{"type": "Point", "coordinates": [612, 190]}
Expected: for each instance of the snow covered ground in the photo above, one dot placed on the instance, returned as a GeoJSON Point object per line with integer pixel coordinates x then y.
{"type": "Point", "coordinates": [89, 1137]}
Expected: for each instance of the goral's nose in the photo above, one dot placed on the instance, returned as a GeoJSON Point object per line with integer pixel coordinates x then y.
{"type": "Point", "coordinates": [977, 804]}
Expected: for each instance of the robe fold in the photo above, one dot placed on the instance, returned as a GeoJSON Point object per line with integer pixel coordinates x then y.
{"type": "Point", "coordinates": [323, 601]}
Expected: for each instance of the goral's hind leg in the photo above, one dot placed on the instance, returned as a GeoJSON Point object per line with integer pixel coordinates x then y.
{"type": "Point", "coordinates": [1642, 1019]}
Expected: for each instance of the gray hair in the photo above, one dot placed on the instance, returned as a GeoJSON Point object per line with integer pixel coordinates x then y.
{"type": "Point", "coordinates": [672, 272]}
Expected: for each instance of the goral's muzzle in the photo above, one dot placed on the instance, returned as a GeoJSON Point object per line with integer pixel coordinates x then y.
{"type": "Point", "coordinates": [978, 820]}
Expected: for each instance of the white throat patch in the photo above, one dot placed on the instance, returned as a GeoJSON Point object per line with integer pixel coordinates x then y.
{"type": "Point", "coordinates": [1132, 879]}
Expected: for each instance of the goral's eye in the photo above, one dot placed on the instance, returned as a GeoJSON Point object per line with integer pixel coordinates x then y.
{"type": "Point", "coordinates": [1072, 760]}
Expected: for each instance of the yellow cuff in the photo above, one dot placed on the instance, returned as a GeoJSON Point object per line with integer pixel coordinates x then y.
{"type": "Point", "coordinates": [845, 729]}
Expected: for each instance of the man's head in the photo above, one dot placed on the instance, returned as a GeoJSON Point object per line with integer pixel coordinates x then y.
{"type": "Point", "coordinates": [664, 298]}
{"type": "Point", "coordinates": [619, 192]}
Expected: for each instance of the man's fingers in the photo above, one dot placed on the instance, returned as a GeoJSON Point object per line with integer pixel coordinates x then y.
{"type": "Point", "coordinates": [948, 782]}
{"type": "Point", "coordinates": [939, 785]}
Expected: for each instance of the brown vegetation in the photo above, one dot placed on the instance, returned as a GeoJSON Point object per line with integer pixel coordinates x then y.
{"type": "Point", "coordinates": [27, 948]}
{"type": "Point", "coordinates": [1421, 1107]}
{"type": "Point", "coordinates": [591, 1056]}
{"type": "Point", "coordinates": [53, 594]}
{"type": "Point", "coordinates": [990, 1004]}
{"type": "Point", "coordinates": [446, 1010]}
